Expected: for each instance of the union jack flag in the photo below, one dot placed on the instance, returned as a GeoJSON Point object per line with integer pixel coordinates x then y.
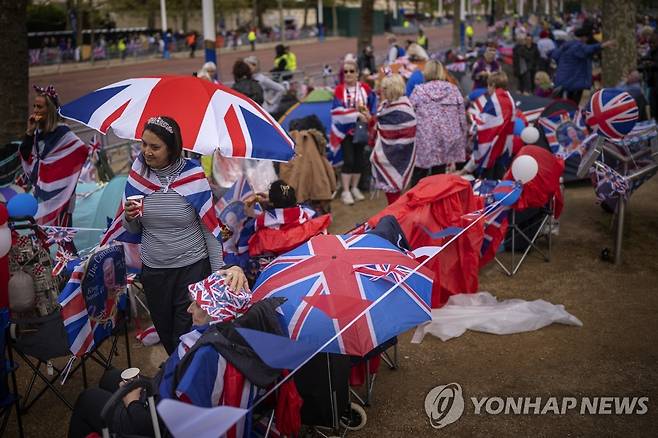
{"type": "Point", "coordinates": [608, 183]}
{"type": "Point", "coordinates": [221, 304]}
{"type": "Point", "coordinates": [495, 222]}
{"type": "Point", "coordinates": [83, 332]}
{"type": "Point", "coordinates": [191, 184]}
{"type": "Point", "coordinates": [612, 113]}
{"type": "Point", "coordinates": [276, 218]}
{"type": "Point", "coordinates": [62, 258]}
{"type": "Point", "coordinates": [88, 173]}
{"type": "Point", "coordinates": [59, 235]}
{"type": "Point", "coordinates": [231, 211]}
{"type": "Point", "coordinates": [53, 168]}
{"type": "Point", "coordinates": [210, 116]}
{"type": "Point", "coordinates": [495, 128]}
{"type": "Point", "coordinates": [330, 280]}
{"type": "Point", "coordinates": [344, 114]}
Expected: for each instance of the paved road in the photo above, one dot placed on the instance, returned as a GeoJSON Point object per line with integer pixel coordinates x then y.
{"type": "Point", "coordinates": [71, 85]}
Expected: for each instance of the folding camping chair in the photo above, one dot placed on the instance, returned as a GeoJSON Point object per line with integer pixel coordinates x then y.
{"type": "Point", "coordinates": [39, 346]}
{"type": "Point", "coordinates": [390, 360]}
{"type": "Point", "coordinates": [540, 225]}
{"type": "Point", "coordinates": [40, 339]}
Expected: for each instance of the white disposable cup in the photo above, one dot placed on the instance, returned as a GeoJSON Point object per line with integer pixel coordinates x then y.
{"type": "Point", "coordinates": [139, 200]}
{"type": "Point", "coordinates": [129, 374]}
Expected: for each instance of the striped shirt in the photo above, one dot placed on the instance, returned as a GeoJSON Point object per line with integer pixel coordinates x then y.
{"type": "Point", "coordinates": [172, 235]}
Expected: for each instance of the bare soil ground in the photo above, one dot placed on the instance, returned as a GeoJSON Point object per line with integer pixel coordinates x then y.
{"type": "Point", "coordinates": [613, 354]}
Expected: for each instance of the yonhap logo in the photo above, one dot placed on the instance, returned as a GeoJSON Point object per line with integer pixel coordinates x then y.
{"type": "Point", "coordinates": [444, 405]}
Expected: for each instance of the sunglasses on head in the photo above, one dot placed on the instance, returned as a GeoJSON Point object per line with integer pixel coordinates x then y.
{"type": "Point", "coordinates": [349, 71]}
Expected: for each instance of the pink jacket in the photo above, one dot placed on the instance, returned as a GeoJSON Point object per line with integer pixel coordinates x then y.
{"type": "Point", "coordinates": [441, 132]}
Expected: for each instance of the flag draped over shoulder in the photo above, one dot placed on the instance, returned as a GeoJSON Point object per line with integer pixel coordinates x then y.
{"type": "Point", "coordinates": [394, 152]}
{"type": "Point", "coordinates": [344, 114]}
{"type": "Point", "coordinates": [495, 129]}
{"type": "Point", "coordinates": [191, 184]}
{"type": "Point", "coordinates": [53, 168]}
{"type": "Point", "coordinates": [208, 381]}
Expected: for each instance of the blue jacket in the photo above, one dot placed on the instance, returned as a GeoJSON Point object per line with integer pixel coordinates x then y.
{"type": "Point", "coordinates": [574, 65]}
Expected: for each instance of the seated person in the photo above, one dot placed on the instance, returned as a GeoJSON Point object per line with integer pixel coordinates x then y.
{"type": "Point", "coordinates": [284, 224]}
{"type": "Point", "coordinates": [134, 417]}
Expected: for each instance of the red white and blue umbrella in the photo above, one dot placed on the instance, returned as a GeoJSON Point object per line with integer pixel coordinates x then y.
{"type": "Point", "coordinates": [331, 279]}
{"type": "Point", "coordinates": [210, 116]}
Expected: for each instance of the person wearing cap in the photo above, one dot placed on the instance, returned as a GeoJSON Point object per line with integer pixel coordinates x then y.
{"type": "Point", "coordinates": [574, 64]}
{"type": "Point", "coordinates": [197, 386]}
{"type": "Point", "coordinates": [272, 90]}
{"type": "Point", "coordinates": [50, 154]}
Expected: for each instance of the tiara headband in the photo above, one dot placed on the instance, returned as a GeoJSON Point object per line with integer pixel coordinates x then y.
{"type": "Point", "coordinates": [159, 121]}
{"type": "Point", "coordinates": [49, 91]}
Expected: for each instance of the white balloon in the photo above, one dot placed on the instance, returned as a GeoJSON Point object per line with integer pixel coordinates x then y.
{"type": "Point", "coordinates": [524, 168]}
{"type": "Point", "coordinates": [530, 135]}
{"type": "Point", "coordinates": [5, 240]}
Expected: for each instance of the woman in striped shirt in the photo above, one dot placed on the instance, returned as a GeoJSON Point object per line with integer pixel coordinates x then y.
{"type": "Point", "coordinates": [177, 249]}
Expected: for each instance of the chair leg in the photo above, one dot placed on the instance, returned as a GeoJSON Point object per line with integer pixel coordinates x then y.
{"type": "Point", "coordinates": [14, 384]}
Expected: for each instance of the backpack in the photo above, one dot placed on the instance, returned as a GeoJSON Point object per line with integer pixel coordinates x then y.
{"type": "Point", "coordinates": [401, 51]}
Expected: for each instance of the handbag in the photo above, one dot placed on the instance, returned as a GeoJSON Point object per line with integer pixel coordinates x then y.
{"type": "Point", "coordinates": [360, 135]}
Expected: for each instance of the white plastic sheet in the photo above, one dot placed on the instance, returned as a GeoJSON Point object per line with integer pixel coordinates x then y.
{"type": "Point", "coordinates": [484, 313]}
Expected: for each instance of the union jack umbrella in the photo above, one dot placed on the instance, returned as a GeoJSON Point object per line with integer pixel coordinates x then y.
{"type": "Point", "coordinates": [611, 113]}
{"type": "Point", "coordinates": [62, 258]}
{"type": "Point", "coordinates": [331, 279]}
{"type": "Point", "coordinates": [210, 116]}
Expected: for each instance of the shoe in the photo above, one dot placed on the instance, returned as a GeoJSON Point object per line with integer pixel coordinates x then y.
{"type": "Point", "coordinates": [356, 193]}
{"type": "Point", "coordinates": [347, 199]}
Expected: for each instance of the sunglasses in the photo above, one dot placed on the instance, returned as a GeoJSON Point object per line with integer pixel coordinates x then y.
{"type": "Point", "coordinates": [349, 71]}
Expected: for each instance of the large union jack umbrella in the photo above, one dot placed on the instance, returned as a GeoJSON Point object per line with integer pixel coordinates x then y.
{"type": "Point", "coordinates": [211, 116]}
{"type": "Point", "coordinates": [331, 279]}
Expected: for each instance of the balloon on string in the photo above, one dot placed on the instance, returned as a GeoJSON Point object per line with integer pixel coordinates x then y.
{"type": "Point", "coordinates": [23, 205]}
{"type": "Point", "coordinates": [530, 135]}
{"type": "Point", "coordinates": [524, 168]}
{"type": "Point", "coordinates": [519, 125]}
{"type": "Point", "coordinates": [507, 192]}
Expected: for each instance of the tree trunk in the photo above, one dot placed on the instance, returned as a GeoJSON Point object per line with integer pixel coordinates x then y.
{"type": "Point", "coordinates": [618, 18]}
{"type": "Point", "coordinates": [365, 32]}
{"type": "Point", "coordinates": [456, 22]}
{"type": "Point", "coordinates": [499, 9]}
{"type": "Point", "coordinates": [334, 18]}
{"type": "Point", "coordinates": [306, 5]}
{"type": "Point", "coordinates": [185, 11]}
{"type": "Point", "coordinates": [14, 73]}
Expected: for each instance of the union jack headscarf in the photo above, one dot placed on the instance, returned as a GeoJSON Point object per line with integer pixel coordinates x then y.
{"type": "Point", "coordinates": [214, 296]}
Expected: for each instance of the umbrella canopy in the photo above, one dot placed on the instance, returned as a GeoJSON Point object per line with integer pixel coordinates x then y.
{"type": "Point", "coordinates": [531, 106]}
{"type": "Point", "coordinates": [318, 103]}
{"type": "Point", "coordinates": [210, 116]}
{"type": "Point", "coordinates": [331, 279]}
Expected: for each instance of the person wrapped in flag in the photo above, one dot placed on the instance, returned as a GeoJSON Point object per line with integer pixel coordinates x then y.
{"type": "Point", "coordinates": [210, 380]}
{"type": "Point", "coordinates": [494, 142]}
{"type": "Point", "coordinates": [394, 153]}
{"type": "Point", "coordinates": [353, 102]}
{"type": "Point", "coordinates": [52, 157]}
{"type": "Point", "coordinates": [175, 219]}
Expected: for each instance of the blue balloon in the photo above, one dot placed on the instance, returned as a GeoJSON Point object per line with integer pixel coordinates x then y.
{"type": "Point", "coordinates": [22, 205]}
{"type": "Point", "coordinates": [508, 192]}
{"type": "Point", "coordinates": [518, 126]}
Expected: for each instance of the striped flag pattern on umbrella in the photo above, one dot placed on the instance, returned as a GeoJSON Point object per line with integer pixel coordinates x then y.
{"type": "Point", "coordinates": [210, 116]}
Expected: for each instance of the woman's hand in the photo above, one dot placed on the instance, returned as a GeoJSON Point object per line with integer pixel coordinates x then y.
{"type": "Point", "coordinates": [235, 278]}
{"type": "Point", "coordinates": [31, 124]}
{"type": "Point", "coordinates": [131, 211]}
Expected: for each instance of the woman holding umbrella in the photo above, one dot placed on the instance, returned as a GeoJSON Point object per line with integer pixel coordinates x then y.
{"type": "Point", "coordinates": [168, 202]}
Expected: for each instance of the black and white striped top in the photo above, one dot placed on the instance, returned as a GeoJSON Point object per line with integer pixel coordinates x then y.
{"type": "Point", "coordinates": [172, 235]}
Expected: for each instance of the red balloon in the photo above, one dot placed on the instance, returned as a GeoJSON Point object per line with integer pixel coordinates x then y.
{"type": "Point", "coordinates": [4, 215]}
